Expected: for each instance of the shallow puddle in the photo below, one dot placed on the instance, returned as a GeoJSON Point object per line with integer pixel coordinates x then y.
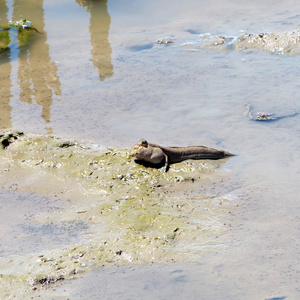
{"type": "Point", "coordinates": [20, 233]}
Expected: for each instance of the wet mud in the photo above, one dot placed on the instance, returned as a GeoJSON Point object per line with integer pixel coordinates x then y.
{"type": "Point", "coordinates": [274, 42]}
{"type": "Point", "coordinates": [122, 213]}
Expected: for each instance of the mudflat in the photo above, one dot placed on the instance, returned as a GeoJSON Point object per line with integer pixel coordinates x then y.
{"type": "Point", "coordinates": [104, 78]}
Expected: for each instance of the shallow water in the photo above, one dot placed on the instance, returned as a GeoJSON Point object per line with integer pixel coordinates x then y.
{"type": "Point", "coordinates": [98, 74]}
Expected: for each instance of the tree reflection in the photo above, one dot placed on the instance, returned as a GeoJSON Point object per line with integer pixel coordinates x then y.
{"type": "Point", "coordinates": [38, 79]}
{"type": "Point", "coordinates": [99, 28]}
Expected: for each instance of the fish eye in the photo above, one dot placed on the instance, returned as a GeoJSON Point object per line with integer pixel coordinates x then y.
{"type": "Point", "coordinates": [144, 142]}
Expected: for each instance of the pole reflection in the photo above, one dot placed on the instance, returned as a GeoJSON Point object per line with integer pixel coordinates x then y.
{"type": "Point", "coordinates": [5, 71]}
{"type": "Point", "coordinates": [38, 79]}
{"type": "Point", "coordinates": [99, 29]}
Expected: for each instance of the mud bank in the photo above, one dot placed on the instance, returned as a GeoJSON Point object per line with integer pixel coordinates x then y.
{"type": "Point", "coordinates": [128, 214]}
{"type": "Point", "coordinates": [275, 42]}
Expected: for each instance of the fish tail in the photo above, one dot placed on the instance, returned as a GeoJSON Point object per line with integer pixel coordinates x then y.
{"type": "Point", "coordinates": [228, 154]}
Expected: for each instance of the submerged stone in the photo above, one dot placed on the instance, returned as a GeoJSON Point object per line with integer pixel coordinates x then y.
{"type": "Point", "coordinates": [165, 40]}
{"type": "Point", "coordinates": [16, 34]}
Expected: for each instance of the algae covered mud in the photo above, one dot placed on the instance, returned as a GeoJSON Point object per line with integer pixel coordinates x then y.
{"type": "Point", "coordinates": [128, 214]}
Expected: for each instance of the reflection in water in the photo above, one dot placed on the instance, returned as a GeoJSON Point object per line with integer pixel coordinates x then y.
{"type": "Point", "coordinates": [38, 80]}
{"type": "Point", "coordinates": [37, 75]}
{"type": "Point", "coordinates": [99, 28]}
{"type": "Point", "coordinates": [5, 71]}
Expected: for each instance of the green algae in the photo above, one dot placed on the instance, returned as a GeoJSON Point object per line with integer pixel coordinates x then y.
{"type": "Point", "coordinates": [4, 39]}
{"type": "Point", "coordinates": [134, 214]}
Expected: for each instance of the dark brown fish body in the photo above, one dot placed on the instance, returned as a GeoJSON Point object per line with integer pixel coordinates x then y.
{"type": "Point", "coordinates": [157, 154]}
{"type": "Point", "coordinates": [178, 154]}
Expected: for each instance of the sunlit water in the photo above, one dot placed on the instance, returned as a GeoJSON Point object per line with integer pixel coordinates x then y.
{"type": "Point", "coordinates": [97, 73]}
